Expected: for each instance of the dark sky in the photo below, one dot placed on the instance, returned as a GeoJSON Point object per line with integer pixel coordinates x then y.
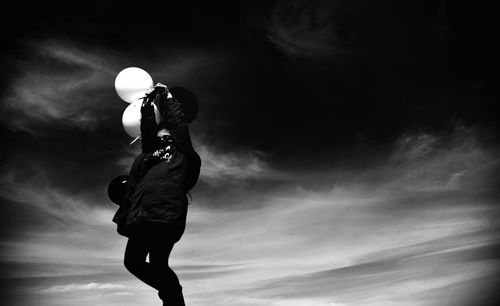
{"type": "Point", "coordinates": [352, 145]}
{"type": "Point", "coordinates": [349, 70]}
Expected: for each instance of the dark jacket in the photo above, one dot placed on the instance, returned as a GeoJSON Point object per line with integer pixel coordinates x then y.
{"type": "Point", "coordinates": [157, 189]}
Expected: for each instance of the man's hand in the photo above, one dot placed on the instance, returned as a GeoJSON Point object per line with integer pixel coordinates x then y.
{"type": "Point", "coordinates": [153, 95]}
{"type": "Point", "coordinates": [161, 88]}
{"type": "Point", "coordinates": [149, 96]}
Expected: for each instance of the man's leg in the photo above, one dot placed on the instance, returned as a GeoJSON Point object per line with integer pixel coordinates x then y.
{"type": "Point", "coordinates": [170, 290]}
{"type": "Point", "coordinates": [135, 261]}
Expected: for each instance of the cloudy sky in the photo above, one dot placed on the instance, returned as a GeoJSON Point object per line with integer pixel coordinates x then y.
{"type": "Point", "coordinates": [350, 151]}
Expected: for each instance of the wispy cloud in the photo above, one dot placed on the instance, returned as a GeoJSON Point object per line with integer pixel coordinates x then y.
{"type": "Point", "coordinates": [311, 30]}
{"type": "Point", "coordinates": [220, 166]}
{"type": "Point", "coordinates": [68, 93]}
{"type": "Point", "coordinates": [80, 287]}
{"type": "Point", "coordinates": [75, 55]}
{"type": "Point", "coordinates": [36, 193]}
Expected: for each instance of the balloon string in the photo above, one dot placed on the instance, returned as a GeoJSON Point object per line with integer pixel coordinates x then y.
{"type": "Point", "coordinates": [138, 137]}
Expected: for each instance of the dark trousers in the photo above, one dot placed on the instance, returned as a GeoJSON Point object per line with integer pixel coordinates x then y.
{"type": "Point", "coordinates": [157, 272]}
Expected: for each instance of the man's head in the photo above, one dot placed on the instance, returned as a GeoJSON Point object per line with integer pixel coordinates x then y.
{"type": "Point", "coordinates": [163, 132]}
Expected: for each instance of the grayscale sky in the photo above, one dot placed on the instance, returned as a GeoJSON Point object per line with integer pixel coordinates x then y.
{"type": "Point", "coordinates": [350, 151]}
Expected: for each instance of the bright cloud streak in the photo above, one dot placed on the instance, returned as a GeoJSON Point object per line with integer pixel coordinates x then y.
{"type": "Point", "coordinates": [78, 287]}
{"type": "Point", "coordinates": [220, 166]}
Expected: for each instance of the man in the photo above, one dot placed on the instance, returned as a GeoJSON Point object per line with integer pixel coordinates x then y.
{"type": "Point", "coordinates": [153, 213]}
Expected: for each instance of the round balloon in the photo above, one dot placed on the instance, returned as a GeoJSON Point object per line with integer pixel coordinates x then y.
{"type": "Point", "coordinates": [131, 84]}
{"type": "Point", "coordinates": [131, 118]}
{"type": "Point", "coordinates": [117, 188]}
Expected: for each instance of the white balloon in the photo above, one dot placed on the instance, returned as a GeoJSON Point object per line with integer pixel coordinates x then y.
{"type": "Point", "coordinates": [131, 118]}
{"type": "Point", "coordinates": [131, 84]}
